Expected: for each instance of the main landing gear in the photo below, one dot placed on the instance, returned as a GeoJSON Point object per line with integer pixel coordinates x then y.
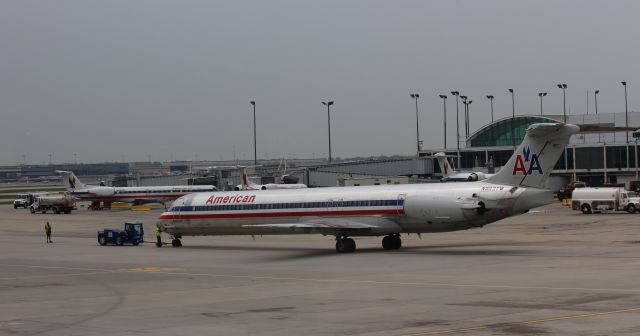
{"type": "Point", "coordinates": [345, 245]}
{"type": "Point", "coordinates": [391, 242]}
{"type": "Point", "coordinates": [348, 245]}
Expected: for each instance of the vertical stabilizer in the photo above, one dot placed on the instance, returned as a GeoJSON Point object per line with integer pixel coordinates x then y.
{"type": "Point", "coordinates": [532, 162]}
{"type": "Point", "coordinates": [445, 167]}
{"type": "Point", "coordinates": [71, 182]}
{"type": "Point", "coordinates": [246, 183]}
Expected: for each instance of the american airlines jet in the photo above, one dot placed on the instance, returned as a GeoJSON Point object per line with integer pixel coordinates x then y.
{"type": "Point", "coordinates": [388, 211]}
{"type": "Point", "coordinates": [134, 195]}
{"type": "Point", "coordinates": [451, 175]}
{"type": "Point", "coordinates": [247, 184]}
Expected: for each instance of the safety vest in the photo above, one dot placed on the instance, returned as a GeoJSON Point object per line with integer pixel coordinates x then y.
{"type": "Point", "coordinates": [157, 232]}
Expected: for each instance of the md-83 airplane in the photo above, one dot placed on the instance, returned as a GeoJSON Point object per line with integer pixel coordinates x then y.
{"type": "Point", "coordinates": [449, 174]}
{"type": "Point", "coordinates": [133, 195]}
{"type": "Point", "coordinates": [247, 184]}
{"type": "Point", "coordinates": [388, 211]}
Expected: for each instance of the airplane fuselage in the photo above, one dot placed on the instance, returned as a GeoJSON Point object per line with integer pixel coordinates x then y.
{"type": "Point", "coordinates": [417, 208]}
{"type": "Point", "coordinates": [137, 194]}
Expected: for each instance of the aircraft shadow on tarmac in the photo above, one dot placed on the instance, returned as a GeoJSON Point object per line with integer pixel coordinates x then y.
{"type": "Point", "coordinates": [471, 249]}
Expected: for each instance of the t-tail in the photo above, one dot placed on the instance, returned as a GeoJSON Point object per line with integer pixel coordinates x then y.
{"type": "Point", "coordinates": [71, 182]}
{"type": "Point", "coordinates": [532, 162]}
{"type": "Point", "coordinates": [445, 167]}
{"type": "Point", "coordinates": [246, 183]}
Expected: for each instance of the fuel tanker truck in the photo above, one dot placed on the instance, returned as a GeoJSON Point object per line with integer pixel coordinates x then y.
{"type": "Point", "coordinates": [53, 202]}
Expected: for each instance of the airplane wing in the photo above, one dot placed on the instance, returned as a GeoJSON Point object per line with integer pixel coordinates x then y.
{"type": "Point", "coordinates": [352, 226]}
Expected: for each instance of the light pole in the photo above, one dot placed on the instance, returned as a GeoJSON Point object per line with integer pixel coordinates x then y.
{"type": "Point", "coordinates": [415, 96]}
{"type": "Point", "coordinates": [490, 97]}
{"type": "Point", "coordinates": [464, 102]}
{"type": "Point", "coordinates": [626, 110]}
{"type": "Point", "coordinates": [468, 120]}
{"type": "Point", "coordinates": [444, 104]}
{"type": "Point", "coordinates": [255, 143]}
{"type": "Point", "coordinates": [513, 117]}
{"type": "Point", "coordinates": [564, 100]}
{"type": "Point", "coordinates": [457, 94]}
{"type": "Point", "coordinates": [626, 119]}
{"type": "Point", "coordinates": [541, 94]}
{"type": "Point", "coordinates": [328, 105]}
{"type": "Point", "coordinates": [595, 95]}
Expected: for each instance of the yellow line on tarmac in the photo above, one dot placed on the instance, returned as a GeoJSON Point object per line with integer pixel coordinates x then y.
{"type": "Point", "coordinates": [549, 319]}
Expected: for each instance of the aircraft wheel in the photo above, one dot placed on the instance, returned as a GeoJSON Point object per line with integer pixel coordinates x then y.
{"type": "Point", "coordinates": [345, 245]}
{"type": "Point", "coordinates": [586, 209]}
{"type": "Point", "coordinates": [397, 242]}
{"type": "Point", "coordinates": [176, 243]}
{"type": "Point", "coordinates": [386, 243]}
{"type": "Point", "coordinates": [391, 242]}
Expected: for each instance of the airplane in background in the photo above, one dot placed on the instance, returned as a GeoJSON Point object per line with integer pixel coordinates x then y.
{"type": "Point", "coordinates": [388, 210]}
{"type": "Point", "coordinates": [449, 174]}
{"type": "Point", "coordinates": [247, 184]}
{"type": "Point", "coordinates": [133, 195]}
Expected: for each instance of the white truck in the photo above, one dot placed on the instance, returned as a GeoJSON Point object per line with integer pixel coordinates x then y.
{"type": "Point", "coordinates": [589, 200]}
{"type": "Point", "coordinates": [55, 203]}
{"type": "Point", "coordinates": [26, 199]}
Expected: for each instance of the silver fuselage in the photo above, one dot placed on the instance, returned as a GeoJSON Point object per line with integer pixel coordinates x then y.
{"type": "Point", "coordinates": [416, 208]}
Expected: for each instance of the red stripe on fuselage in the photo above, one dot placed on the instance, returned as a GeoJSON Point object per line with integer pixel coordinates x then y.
{"type": "Point", "coordinates": [287, 214]}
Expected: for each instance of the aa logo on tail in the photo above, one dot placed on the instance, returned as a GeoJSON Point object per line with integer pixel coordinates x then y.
{"type": "Point", "coordinates": [72, 182]}
{"type": "Point", "coordinates": [527, 163]}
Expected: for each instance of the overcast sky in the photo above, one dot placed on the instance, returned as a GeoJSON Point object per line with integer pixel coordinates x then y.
{"type": "Point", "coordinates": [129, 80]}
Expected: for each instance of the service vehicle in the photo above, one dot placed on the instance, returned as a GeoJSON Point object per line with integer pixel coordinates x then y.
{"type": "Point", "coordinates": [133, 234]}
{"type": "Point", "coordinates": [589, 200]}
{"type": "Point", "coordinates": [567, 190]}
{"type": "Point", "coordinates": [53, 202]}
{"type": "Point", "coordinates": [25, 200]}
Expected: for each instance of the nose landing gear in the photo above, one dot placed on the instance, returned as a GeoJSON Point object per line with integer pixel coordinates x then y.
{"type": "Point", "coordinates": [176, 242]}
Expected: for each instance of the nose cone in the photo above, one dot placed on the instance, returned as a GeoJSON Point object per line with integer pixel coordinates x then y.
{"type": "Point", "coordinates": [167, 219]}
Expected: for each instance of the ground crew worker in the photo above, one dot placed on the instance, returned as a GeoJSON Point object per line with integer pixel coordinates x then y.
{"type": "Point", "coordinates": [47, 230]}
{"type": "Point", "coordinates": [158, 237]}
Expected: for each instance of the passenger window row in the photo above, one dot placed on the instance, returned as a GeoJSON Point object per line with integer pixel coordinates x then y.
{"type": "Point", "coordinates": [272, 206]}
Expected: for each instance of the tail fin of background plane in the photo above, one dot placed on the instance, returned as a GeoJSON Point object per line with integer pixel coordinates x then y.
{"type": "Point", "coordinates": [246, 183]}
{"type": "Point", "coordinates": [445, 167]}
{"type": "Point", "coordinates": [71, 182]}
{"type": "Point", "coordinates": [532, 162]}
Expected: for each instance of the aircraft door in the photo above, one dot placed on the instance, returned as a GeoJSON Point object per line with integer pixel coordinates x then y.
{"type": "Point", "coordinates": [400, 204]}
{"type": "Point", "coordinates": [334, 206]}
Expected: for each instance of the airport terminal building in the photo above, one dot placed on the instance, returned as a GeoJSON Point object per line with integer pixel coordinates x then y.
{"type": "Point", "coordinates": [604, 152]}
